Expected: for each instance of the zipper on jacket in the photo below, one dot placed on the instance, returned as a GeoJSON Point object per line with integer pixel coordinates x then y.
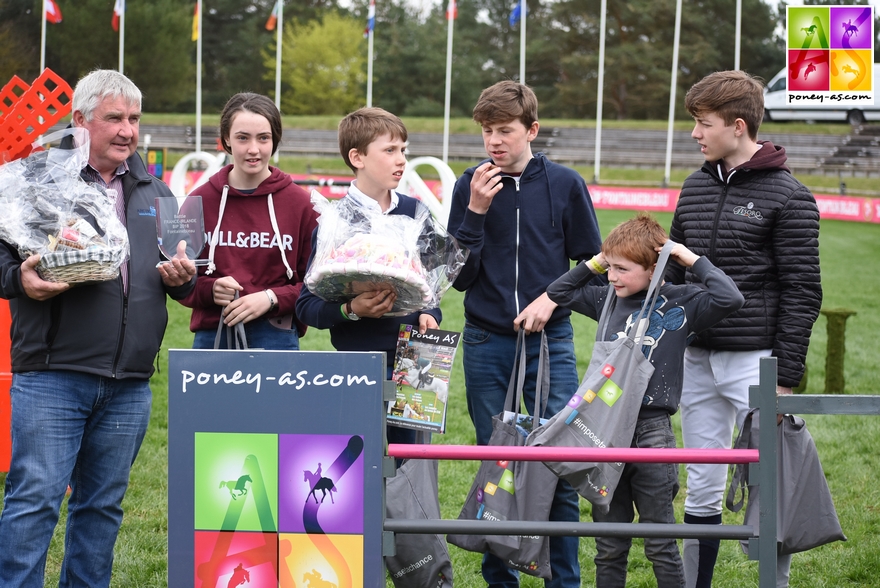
{"type": "Point", "coordinates": [717, 220]}
{"type": "Point", "coordinates": [516, 182]}
{"type": "Point", "coordinates": [121, 334]}
{"type": "Point", "coordinates": [516, 249]}
{"type": "Point", "coordinates": [54, 325]}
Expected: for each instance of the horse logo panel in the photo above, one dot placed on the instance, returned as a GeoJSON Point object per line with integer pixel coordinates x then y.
{"type": "Point", "coordinates": [236, 482]}
{"type": "Point", "coordinates": [321, 484]}
{"type": "Point", "coordinates": [321, 561]}
{"type": "Point", "coordinates": [321, 510]}
{"type": "Point", "coordinates": [225, 559]}
{"type": "Point", "coordinates": [260, 494]}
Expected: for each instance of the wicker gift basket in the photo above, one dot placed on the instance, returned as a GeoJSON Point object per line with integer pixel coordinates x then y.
{"type": "Point", "coordinates": [47, 209]}
{"type": "Point", "coordinates": [78, 267]}
{"type": "Point", "coordinates": [360, 250]}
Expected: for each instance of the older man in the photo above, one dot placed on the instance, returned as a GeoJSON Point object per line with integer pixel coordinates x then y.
{"type": "Point", "coordinates": [81, 361]}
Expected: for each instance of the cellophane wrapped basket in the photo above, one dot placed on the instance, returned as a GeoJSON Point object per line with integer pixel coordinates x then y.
{"type": "Point", "coordinates": [360, 250]}
{"type": "Point", "coordinates": [47, 209]}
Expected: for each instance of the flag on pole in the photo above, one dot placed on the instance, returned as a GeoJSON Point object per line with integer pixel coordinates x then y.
{"type": "Point", "coordinates": [273, 18]}
{"type": "Point", "coordinates": [195, 34]}
{"type": "Point", "coordinates": [117, 13]}
{"type": "Point", "coordinates": [515, 13]}
{"type": "Point", "coordinates": [452, 10]}
{"type": "Point", "coordinates": [371, 18]}
{"type": "Point", "coordinates": [53, 13]}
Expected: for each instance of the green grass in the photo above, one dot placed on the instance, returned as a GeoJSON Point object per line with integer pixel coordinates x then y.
{"type": "Point", "coordinates": [847, 444]}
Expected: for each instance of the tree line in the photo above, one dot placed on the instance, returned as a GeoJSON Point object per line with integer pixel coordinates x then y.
{"type": "Point", "coordinates": [324, 51]}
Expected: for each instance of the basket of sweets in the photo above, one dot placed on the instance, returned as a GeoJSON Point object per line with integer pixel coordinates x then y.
{"type": "Point", "coordinates": [47, 209]}
{"type": "Point", "coordinates": [360, 250]}
{"type": "Point", "coordinates": [78, 254]}
{"type": "Point", "coordinates": [365, 263]}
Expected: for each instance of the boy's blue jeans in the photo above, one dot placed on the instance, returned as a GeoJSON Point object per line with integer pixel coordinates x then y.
{"type": "Point", "coordinates": [488, 363]}
{"type": "Point", "coordinates": [651, 487]}
{"type": "Point", "coordinates": [69, 428]}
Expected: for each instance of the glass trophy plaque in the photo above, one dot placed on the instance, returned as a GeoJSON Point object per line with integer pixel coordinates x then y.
{"type": "Point", "coordinates": [181, 219]}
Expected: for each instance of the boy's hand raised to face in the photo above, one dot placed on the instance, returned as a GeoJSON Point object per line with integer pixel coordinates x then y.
{"type": "Point", "coordinates": [485, 184]}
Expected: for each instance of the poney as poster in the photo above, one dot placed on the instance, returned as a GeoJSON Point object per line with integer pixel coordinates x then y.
{"type": "Point", "coordinates": [421, 371]}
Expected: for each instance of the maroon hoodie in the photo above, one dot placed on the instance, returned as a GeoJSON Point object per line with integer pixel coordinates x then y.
{"type": "Point", "coordinates": [769, 156]}
{"type": "Point", "coordinates": [247, 249]}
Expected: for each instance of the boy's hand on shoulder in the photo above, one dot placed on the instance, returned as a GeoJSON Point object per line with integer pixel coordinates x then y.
{"type": "Point", "coordinates": [535, 316]}
{"type": "Point", "coordinates": [682, 255]}
{"type": "Point", "coordinates": [485, 184]}
{"type": "Point", "coordinates": [373, 304]}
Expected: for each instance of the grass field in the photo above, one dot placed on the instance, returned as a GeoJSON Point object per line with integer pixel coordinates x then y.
{"type": "Point", "coordinates": [847, 444]}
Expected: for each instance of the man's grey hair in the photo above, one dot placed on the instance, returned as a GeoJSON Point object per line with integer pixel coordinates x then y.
{"type": "Point", "coordinates": [101, 84]}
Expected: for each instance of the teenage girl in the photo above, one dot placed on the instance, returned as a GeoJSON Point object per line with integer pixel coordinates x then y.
{"type": "Point", "coordinates": [259, 227]}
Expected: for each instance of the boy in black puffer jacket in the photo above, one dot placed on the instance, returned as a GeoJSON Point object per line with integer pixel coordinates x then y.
{"type": "Point", "coordinates": [753, 220]}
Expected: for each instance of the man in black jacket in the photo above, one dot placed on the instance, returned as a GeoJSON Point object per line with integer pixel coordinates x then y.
{"type": "Point", "coordinates": [745, 212]}
{"type": "Point", "coordinates": [81, 360]}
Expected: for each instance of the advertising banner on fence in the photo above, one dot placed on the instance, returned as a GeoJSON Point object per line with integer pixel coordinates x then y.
{"type": "Point", "coordinates": [651, 199]}
{"type": "Point", "coordinates": [848, 208]}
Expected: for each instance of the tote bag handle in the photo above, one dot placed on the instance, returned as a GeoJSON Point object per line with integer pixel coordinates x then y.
{"type": "Point", "coordinates": [236, 338]}
{"type": "Point", "coordinates": [739, 478]}
{"type": "Point", "coordinates": [513, 400]}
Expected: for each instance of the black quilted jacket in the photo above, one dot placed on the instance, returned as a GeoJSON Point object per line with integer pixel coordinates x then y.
{"type": "Point", "coordinates": [761, 227]}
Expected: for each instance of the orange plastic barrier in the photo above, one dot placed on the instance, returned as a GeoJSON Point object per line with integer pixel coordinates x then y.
{"type": "Point", "coordinates": [5, 383]}
{"type": "Point", "coordinates": [10, 93]}
{"type": "Point", "coordinates": [27, 111]}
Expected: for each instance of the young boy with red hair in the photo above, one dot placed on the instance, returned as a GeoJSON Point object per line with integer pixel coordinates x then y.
{"type": "Point", "coordinates": [629, 257]}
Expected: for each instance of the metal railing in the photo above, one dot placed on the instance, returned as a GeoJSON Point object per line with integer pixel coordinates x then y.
{"type": "Point", "coordinates": [762, 464]}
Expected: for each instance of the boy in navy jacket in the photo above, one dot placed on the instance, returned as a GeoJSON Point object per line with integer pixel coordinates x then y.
{"type": "Point", "coordinates": [523, 218]}
{"type": "Point", "coordinates": [373, 143]}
